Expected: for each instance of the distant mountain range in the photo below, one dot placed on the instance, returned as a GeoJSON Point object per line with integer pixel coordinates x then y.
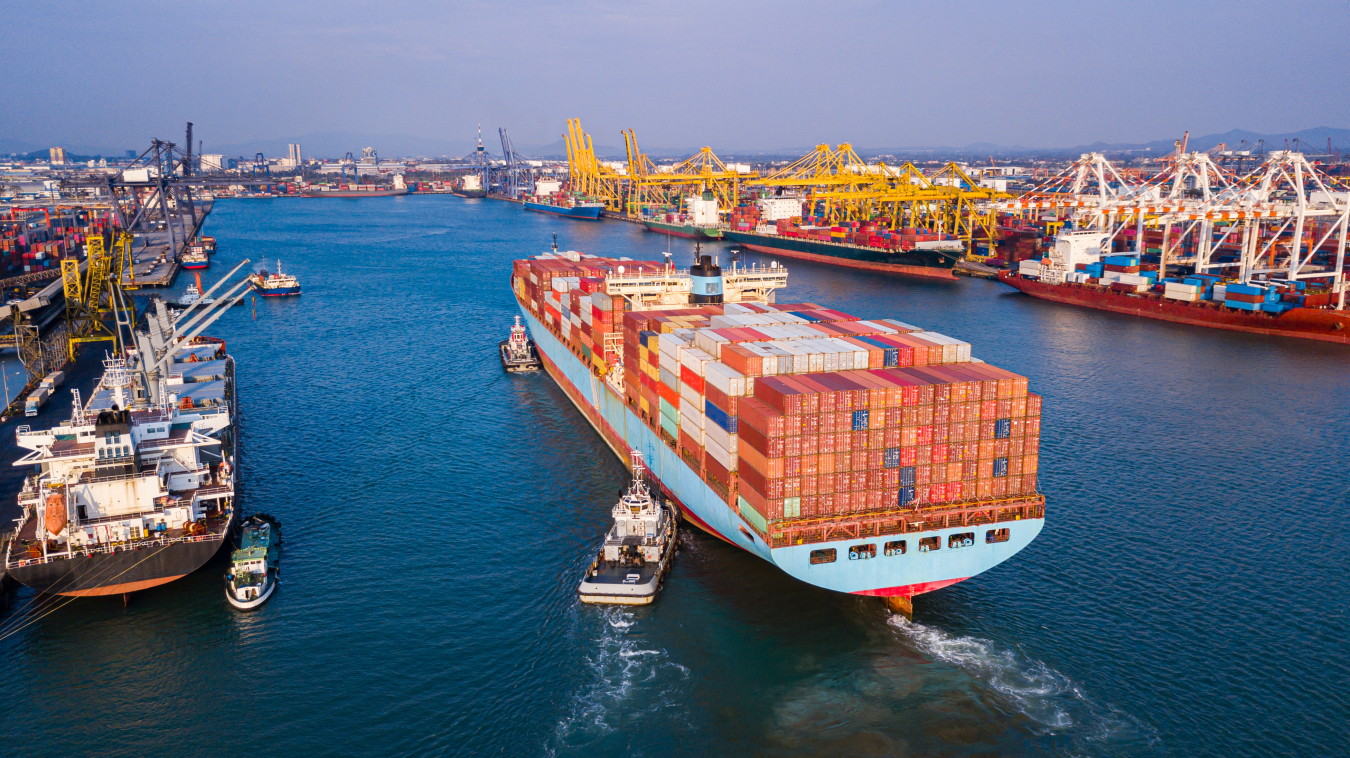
{"type": "Point", "coordinates": [337, 144]}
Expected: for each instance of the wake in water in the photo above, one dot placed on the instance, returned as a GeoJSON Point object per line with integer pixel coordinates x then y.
{"type": "Point", "coordinates": [1052, 701]}
{"type": "Point", "coordinates": [628, 683]}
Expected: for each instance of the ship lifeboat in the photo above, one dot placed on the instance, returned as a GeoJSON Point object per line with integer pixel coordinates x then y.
{"type": "Point", "coordinates": [56, 513]}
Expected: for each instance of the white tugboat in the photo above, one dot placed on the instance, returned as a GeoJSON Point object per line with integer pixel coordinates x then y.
{"type": "Point", "coordinates": [253, 567]}
{"type": "Point", "coordinates": [275, 284]}
{"type": "Point", "coordinates": [638, 550]}
{"type": "Point", "coordinates": [517, 351]}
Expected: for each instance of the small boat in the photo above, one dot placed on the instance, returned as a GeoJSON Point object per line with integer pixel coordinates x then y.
{"type": "Point", "coordinates": [195, 258]}
{"type": "Point", "coordinates": [191, 296]}
{"type": "Point", "coordinates": [517, 351]}
{"type": "Point", "coordinates": [275, 285]}
{"type": "Point", "coordinates": [632, 564]}
{"type": "Point", "coordinates": [253, 567]}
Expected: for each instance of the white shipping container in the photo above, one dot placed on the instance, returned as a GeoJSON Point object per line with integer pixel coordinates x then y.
{"type": "Point", "coordinates": [900, 326]}
{"type": "Point", "coordinates": [670, 345]}
{"type": "Point", "coordinates": [1220, 292]}
{"type": "Point", "coordinates": [710, 342]}
{"type": "Point", "coordinates": [719, 453]}
{"type": "Point", "coordinates": [726, 379]}
{"type": "Point", "coordinates": [689, 394]}
{"type": "Point", "coordinates": [878, 326]}
{"type": "Point", "coordinates": [695, 359]}
{"type": "Point", "coordinates": [669, 363]}
{"type": "Point", "coordinates": [1180, 289]}
{"type": "Point", "coordinates": [728, 441]}
{"type": "Point", "coordinates": [691, 429]}
{"type": "Point", "coordinates": [1188, 297]}
{"type": "Point", "coordinates": [692, 411]}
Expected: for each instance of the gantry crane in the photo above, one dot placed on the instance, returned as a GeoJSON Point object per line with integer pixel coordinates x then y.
{"type": "Point", "coordinates": [702, 172]}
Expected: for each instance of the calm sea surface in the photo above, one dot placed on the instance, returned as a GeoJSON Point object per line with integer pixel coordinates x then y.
{"type": "Point", "coordinates": [1187, 597]}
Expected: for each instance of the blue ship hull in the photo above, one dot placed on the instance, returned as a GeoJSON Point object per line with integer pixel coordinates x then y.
{"type": "Point", "coordinates": [912, 573]}
{"type": "Point", "coordinates": [592, 213]}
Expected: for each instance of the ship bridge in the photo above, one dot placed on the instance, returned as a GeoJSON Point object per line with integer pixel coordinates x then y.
{"type": "Point", "coordinates": [668, 287]}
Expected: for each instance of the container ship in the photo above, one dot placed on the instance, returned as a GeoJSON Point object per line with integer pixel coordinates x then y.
{"type": "Point", "coordinates": [1076, 272]}
{"type": "Point", "coordinates": [863, 456]}
{"type": "Point", "coordinates": [470, 185]}
{"type": "Point", "coordinates": [137, 488]}
{"type": "Point", "coordinates": [679, 228]}
{"type": "Point", "coordinates": [700, 223]}
{"type": "Point", "coordinates": [355, 190]}
{"type": "Point", "coordinates": [869, 245]}
{"type": "Point", "coordinates": [565, 204]}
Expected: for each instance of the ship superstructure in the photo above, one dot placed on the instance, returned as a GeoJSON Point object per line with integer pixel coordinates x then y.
{"type": "Point", "coordinates": [869, 457]}
{"type": "Point", "coordinates": [137, 487]}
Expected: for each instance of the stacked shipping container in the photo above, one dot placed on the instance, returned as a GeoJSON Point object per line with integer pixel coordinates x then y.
{"type": "Point", "coordinates": [795, 411]}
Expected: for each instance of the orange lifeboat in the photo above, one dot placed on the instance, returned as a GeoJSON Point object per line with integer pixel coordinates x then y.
{"type": "Point", "coordinates": [56, 513]}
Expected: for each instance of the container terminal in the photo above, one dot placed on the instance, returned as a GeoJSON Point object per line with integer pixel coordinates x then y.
{"type": "Point", "coordinates": [869, 457]}
{"type": "Point", "coordinates": [1219, 238]}
{"type": "Point", "coordinates": [81, 237]}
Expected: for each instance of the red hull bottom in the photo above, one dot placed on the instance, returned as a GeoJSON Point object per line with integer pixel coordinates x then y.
{"type": "Point", "coordinates": [1305, 323]}
{"type": "Point", "coordinates": [893, 268]}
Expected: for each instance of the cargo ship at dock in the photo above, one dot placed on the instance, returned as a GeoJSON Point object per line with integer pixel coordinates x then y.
{"type": "Point", "coordinates": [867, 457]}
{"type": "Point", "coordinates": [137, 488]}
{"type": "Point", "coordinates": [370, 191]}
{"type": "Point", "coordinates": [684, 230]}
{"type": "Point", "coordinates": [1076, 273]}
{"type": "Point", "coordinates": [564, 204]}
{"type": "Point", "coordinates": [929, 263]}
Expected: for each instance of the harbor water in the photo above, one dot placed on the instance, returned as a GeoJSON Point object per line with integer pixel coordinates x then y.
{"type": "Point", "coordinates": [1187, 596]}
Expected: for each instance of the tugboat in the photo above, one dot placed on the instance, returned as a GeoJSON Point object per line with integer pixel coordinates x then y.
{"type": "Point", "coordinates": [253, 567]}
{"type": "Point", "coordinates": [275, 285]}
{"type": "Point", "coordinates": [517, 351]}
{"type": "Point", "coordinates": [638, 550]}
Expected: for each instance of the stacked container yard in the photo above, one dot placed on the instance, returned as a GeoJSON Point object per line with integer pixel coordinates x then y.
{"type": "Point", "coordinates": [805, 420]}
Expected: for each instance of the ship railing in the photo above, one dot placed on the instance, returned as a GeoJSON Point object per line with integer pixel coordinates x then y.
{"type": "Point", "coordinates": [108, 548]}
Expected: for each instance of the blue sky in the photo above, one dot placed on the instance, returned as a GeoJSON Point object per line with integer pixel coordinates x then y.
{"type": "Point", "coordinates": [736, 76]}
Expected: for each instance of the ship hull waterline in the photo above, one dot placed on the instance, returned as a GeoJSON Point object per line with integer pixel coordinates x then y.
{"type": "Point", "coordinates": [684, 231]}
{"type": "Point", "coordinates": [586, 213]}
{"type": "Point", "coordinates": [830, 253]}
{"type": "Point", "coordinates": [904, 575]}
{"type": "Point", "coordinates": [127, 570]}
{"type": "Point", "coordinates": [1304, 323]}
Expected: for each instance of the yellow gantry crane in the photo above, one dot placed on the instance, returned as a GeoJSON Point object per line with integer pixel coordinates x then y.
{"type": "Point", "coordinates": [850, 189]}
{"type": "Point", "coordinates": [702, 172]}
{"type": "Point", "coordinates": [587, 175]}
{"type": "Point", "coordinates": [89, 294]}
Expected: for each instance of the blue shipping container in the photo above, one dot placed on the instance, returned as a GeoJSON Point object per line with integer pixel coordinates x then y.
{"type": "Point", "coordinates": [1000, 467]}
{"type": "Point", "coordinates": [860, 421]}
{"type": "Point", "coordinates": [719, 416]}
{"type": "Point", "coordinates": [907, 476]}
{"type": "Point", "coordinates": [906, 495]}
{"type": "Point", "coordinates": [1002, 428]}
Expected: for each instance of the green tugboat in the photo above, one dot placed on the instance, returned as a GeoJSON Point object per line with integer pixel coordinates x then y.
{"type": "Point", "coordinates": [253, 567]}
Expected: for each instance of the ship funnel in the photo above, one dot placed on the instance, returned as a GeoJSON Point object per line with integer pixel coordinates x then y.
{"type": "Point", "coordinates": [705, 281]}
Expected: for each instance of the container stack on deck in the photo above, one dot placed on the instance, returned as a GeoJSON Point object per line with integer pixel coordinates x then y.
{"type": "Point", "coordinates": [795, 412]}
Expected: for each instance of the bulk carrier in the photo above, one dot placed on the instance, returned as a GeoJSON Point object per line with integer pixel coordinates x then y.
{"type": "Point", "coordinates": [867, 457]}
{"type": "Point", "coordinates": [137, 488]}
